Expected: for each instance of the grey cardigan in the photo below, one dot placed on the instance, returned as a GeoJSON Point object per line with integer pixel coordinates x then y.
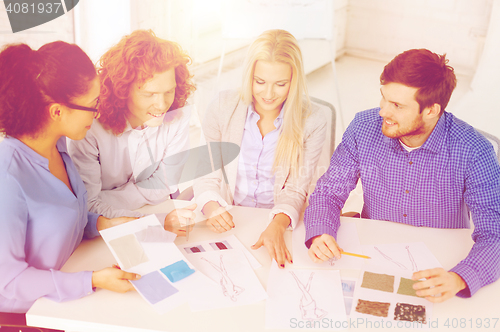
{"type": "Point", "coordinates": [224, 122]}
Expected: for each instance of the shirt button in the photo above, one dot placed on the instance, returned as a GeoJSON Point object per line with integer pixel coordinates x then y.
{"type": "Point", "coordinates": [404, 215]}
{"type": "Point", "coordinates": [407, 191]}
{"type": "Point", "coordinates": [411, 162]}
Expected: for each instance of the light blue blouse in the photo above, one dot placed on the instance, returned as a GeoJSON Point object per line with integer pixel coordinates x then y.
{"type": "Point", "coordinates": [41, 224]}
{"type": "Point", "coordinates": [255, 177]}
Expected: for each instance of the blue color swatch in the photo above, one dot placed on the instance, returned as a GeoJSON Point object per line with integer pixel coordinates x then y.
{"type": "Point", "coordinates": [177, 271]}
{"type": "Point", "coordinates": [154, 287]}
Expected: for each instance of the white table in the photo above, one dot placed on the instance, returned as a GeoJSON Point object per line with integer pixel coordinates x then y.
{"type": "Point", "coordinates": [108, 311]}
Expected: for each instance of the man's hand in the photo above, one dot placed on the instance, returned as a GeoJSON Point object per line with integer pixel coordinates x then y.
{"type": "Point", "coordinates": [114, 279]}
{"type": "Point", "coordinates": [323, 248]}
{"type": "Point", "coordinates": [272, 238]}
{"type": "Point", "coordinates": [444, 284]}
{"type": "Point", "coordinates": [219, 220]}
{"type": "Point", "coordinates": [177, 220]}
{"type": "Point", "coordinates": [103, 222]}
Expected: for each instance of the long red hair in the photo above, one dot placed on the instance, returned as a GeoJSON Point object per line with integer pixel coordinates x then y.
{"type": "Point", "coordinates": [136, 58]}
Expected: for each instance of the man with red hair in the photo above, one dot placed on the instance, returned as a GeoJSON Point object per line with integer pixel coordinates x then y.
{"type": "Point", "coordinates": [418, 165]}
{"type": "Point", "coordinates": [124, 159]}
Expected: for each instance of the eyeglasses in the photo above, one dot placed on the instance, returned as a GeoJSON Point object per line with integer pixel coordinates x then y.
{"type": "Point", "coordinates": [88, 109]}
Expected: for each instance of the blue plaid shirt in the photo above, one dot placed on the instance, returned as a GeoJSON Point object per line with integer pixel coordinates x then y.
{"type": "Point", "coordinates": [453, 174]}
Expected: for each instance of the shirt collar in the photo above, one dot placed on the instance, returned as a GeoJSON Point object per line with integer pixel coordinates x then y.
{"type": "Point", "coordinates": [438, 136]}
{"type": "Point", "coordinates": [252, 114]}
{"type": "Point", "coordinates": [433, 143]}
{"type": "Point", "coordinates": [32, 155]}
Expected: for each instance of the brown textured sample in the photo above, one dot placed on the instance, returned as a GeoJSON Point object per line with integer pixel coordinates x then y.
{"type": "Point", "coordinates": [381, 282]}
{"type": "Point", "coordinates": [410, 312]}
{"type": "Point", "coordinates": [406, 287]}
{"type": "Point", "coordinates": [380, 309]}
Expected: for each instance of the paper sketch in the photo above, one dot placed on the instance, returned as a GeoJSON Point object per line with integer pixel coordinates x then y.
{"type": "Point", "coordinates": [390, 259]}
{"type": "Point", "coordinates": [318, 298]}
{"type": "Point", "coordinates": [412, 260]}
{"type": "Point", "coordinates": [307, 305]}
{"type": "Point", "coordinates": [229, 289]}
{"type": "Point", "coordinates": [401, 257]}
{"type": "Point", "coordinates": [232, 280]}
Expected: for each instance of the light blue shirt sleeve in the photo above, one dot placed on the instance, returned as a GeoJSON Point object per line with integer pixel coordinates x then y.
{"type": "Point", "coordinates": [41, 224]}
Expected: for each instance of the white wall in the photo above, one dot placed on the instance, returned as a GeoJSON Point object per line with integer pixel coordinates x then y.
{"type": "Point", "coordinates": [381, 29]}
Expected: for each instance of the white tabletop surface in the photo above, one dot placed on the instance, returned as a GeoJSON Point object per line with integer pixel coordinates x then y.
{"type": "Point", "coordinates": [108, 311]}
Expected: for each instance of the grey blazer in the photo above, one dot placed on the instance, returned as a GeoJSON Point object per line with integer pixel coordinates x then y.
{"type": "Point", "coordinates": [224, 122]}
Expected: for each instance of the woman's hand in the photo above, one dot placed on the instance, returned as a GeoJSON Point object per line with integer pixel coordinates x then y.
{"type": "Point", "coordinates": [114, 279]}
{"type": "Point", "coordinates": [219, 220]}
{"type": "Point", "coordinates": [103, 222]}
{"type": "Point", "coordinates": [274, 241]}
{"type": "Point", "coordinates": [177, 220]}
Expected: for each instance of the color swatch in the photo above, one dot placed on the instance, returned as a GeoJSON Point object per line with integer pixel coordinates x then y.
{"type": "Point", "coordinates": [381, 282]}
{"type": "Point", "coordinates": [177, 271]}
{"type": "Point", "coordinates": [154, 287]}
{"type": "Point", "coordinates": [194, 250]}
{"type": "Point", "coordinates": [221, 245]}
{"type": "Point", "coordinates": [406, 287]}
{"type": "Point", "coordinates": [380, 309]}
{"type": "Point", "coordinates": [410, 312]}
{"type": "Point", "coordinates": [129, 251]}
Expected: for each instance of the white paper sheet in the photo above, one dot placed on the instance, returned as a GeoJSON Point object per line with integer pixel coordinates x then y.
{"type": "Point", "coordinates": [347, 239]}
{"type": "Point", "coordinates": [152, 243]}
{"type": "Point", "coordinates": [305, 298]}
{"type": "Point", "coordinates": [393, 298]}
{"type": "Point", "coordinates": [236, 282]}
{"type": "Point", "coordinates": [401, 257]}
{"type": "Point", "coordinates": [230, 243]}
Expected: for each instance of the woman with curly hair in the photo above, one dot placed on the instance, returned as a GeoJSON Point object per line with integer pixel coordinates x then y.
{"type": "Point", "coordinates": [124, 158]}
{"type": "Point", "coordinates": [280, 134]}
{"type": "Point", "coordinates": [46, 96]}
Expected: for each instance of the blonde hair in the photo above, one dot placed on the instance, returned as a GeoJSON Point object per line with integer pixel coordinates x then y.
{"type": "Point", "coordinates": [281, 46]}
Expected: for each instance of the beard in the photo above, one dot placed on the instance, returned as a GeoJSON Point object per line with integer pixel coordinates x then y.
{"type": "Point", "coordinates": [416, 127]}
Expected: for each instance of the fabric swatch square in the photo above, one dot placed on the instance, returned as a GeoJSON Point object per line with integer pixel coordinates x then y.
{"type": "Point", "coordinates": [410, 312]}
{"type": "Point", "coordinates": [406, 287]}
{"type": "Point", "coordinates": [194, 250]}
{"type": "Point", "coordinates": [177, 271]}
{"type": "Point", "coordinates": [381, 282]}
{"type": "Point", "coordinates": [154, 287]}
{"type": "Point", "coordinates": [129, 251]}
{"type": "Point", "coordinates": [221, 245]}
{"type": "Point", "coordinates": [380, 309]}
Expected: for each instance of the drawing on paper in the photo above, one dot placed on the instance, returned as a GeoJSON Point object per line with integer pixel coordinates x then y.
{"type": "Point", "coordinates": [412, 260]}
{"type": "Point", "coordinates": [229, 289]}
{"type": "Point", "coordinates": [307, 305]}
{"type": "Point", "coordinates": [390, 259]}
{"type": "Point", "coordinates": [332, 261]}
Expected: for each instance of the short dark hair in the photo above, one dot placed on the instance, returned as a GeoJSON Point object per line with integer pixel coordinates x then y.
{"type": "Point", "coordinates": [427, 71]}
{"type": "Point", "coordinates": [31, 80]}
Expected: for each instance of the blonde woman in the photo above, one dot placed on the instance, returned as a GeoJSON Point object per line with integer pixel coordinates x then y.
{"type": "Point", "coordinates": [280, 136]}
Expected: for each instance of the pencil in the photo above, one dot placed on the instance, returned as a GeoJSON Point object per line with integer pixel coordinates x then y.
{"type": "Point", "coordinates": [355, 255]}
